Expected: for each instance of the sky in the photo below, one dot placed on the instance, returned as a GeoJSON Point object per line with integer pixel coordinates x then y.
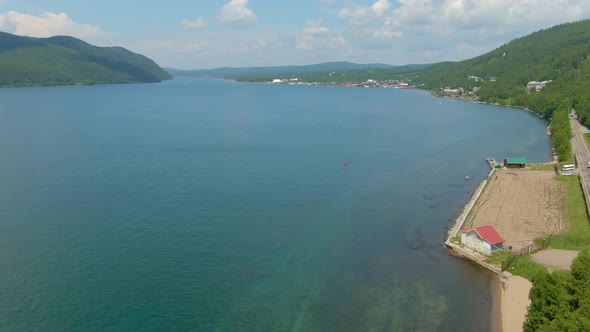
{"type": "Point", "coordinates": [200, 34]}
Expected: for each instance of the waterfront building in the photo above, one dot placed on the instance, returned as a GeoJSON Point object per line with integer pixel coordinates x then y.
{"type": "Point", "coordinates": [515, 162]}
{"type": "Point", "coordinates": [484, 239]}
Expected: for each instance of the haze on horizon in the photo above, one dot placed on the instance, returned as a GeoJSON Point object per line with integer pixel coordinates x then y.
{"type": "Point", "coordinates": [242, 33]}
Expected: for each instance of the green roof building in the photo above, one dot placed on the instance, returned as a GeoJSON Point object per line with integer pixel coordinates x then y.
{"type": "Point", "coordinates": [515, 162]}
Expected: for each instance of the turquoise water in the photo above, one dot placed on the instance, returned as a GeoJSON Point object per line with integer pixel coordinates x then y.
{"type": "Point", "coordinates": [217, 206]}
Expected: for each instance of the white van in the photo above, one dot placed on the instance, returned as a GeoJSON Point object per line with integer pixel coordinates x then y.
{"type": "Point", "coordinates": [589, 164]}
{"type": "Point", "coordinates": [568, 167]}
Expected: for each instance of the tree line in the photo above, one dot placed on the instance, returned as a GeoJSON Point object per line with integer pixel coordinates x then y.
{"type": "Point", "coordinates": [560, 301]}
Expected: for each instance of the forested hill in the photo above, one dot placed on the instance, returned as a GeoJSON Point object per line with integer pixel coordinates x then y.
{"type": "Point", "coordinates": [560, 54]}
{"type": "Point", "coordinates": [559, 57]}
{"type": "Point", "coordinates": [63, 60]}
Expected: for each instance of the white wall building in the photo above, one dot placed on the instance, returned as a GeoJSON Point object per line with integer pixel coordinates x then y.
{"type": "Point", "coordinates": [485, 239]}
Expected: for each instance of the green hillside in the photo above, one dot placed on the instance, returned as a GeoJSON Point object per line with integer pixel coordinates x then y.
{"type": "Point", "coordinates": [63, 60]}
{"type": "Point", "coordinates": [560, 55]}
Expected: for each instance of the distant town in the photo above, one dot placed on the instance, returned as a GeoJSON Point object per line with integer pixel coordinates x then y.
{"type": "Point", "coordinates": [406, 84]}
{"type": "Point", "coordinates": [370, 83]}
{"type": "Point", "coordinates": [470, 94]}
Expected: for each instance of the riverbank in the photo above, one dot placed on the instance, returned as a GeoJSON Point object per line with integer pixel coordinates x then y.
{"type": "Point", "coordinates": [510, 297]}
{"type": "Point", "coordinates": [471, 100]}
{"type": "Point", "coordinates": [522, 205]}
{"type": "Point", "coordinates": [509, 293]}
{"type": "Point", "coordinates": [460, 220]}
{"type": "Point", "coordinates": [379, 84]}
{"type": "Point", "coordinates": [497, 314]}
{"type": "Point", "coordinates": [452, 240]}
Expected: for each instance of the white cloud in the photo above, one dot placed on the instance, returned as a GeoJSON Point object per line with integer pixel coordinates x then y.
{"type": "Point", "coordinates": [307, 42]}
{"type": "Point", "coordinates": [397, 32]}
{"type": "Point", "coordinates": [216, 49]}
{"type": "Point", "coordinates": [237, 13]}
{"type": "Point", "coordinates": [387, 31]}
{"type": "Point", "coordinates": [196, 46]}
{"type": "Point", "coordinates": [381, 7]}
{"type": "Point", "coordinates": [437, 30]}
{"type": "Point", "coordinates": [315, 28]}
{"type": "Point", "coordinates": [261, 43]}
{"type": "Point", "coordinates": [47, 24]}
{"type": "Point", "coordinates": [197, 23]}
{"type": "Point", "coordinates": [316, 36]}
{"type": "Point", "coordinates": [364, 15]}
{"type": "Point", "coordinates": [490, 16]}
{"type": "Point", "coordinates": [430, 54]}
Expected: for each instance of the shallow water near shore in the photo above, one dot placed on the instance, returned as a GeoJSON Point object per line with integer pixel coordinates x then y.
{"type": "Point", "coordinates": [217, 206]}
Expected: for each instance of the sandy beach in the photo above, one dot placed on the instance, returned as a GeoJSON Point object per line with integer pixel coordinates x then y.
{"type": "Point", "coordinates": [511, 299]}
{"type": "Point", "coordinates": [522, 206]}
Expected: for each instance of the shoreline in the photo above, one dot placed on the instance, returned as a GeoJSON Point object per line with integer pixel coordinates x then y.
{"type": "Point", "coordinates": [510, 301]}
{"type": "Point", "coordinates": [509, 293]}
{"type": "Point", "coordinates": [496, 314]}
{"type": "Point", "coordinates": [456, 226]}
{"type": "Point", "coordinates": [497, 276]}
{"type": "Point", "coordinates": [471, 100]}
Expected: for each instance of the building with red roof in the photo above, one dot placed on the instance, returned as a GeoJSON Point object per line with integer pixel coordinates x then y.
{"type": "Point", "coordinates": [484, 239]}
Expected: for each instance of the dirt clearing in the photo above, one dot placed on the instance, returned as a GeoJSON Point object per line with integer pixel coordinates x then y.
{"type": "Point", "coordinates": [522, 206]}
{"type": "Point", "coordinates": [555, 259]}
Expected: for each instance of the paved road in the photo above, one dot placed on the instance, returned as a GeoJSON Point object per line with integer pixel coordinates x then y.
{"type": "Point", "coordinates": [581, 152]}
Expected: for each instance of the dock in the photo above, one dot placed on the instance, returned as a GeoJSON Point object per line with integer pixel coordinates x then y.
{"type": "Point", "coordinates": [491, 162]}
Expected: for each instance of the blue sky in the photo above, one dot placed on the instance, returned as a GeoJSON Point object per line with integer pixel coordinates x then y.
{"type": "Point", "coordinates": [213, 33]}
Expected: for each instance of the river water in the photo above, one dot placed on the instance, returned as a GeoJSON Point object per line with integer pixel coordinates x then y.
{"type": "Point", "coordinates": [218, 206]}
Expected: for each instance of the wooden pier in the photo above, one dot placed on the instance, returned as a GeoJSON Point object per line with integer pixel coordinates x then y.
{"type": "Point", "coordinates": [491, 162]}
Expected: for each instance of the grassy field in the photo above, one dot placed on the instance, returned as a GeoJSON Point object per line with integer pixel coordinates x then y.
{"type": "Point", "coordinates": [525, 267]}
{"type": "Point", "coordinates": [577, 235]}
{"type": "Point", "coordinates": [542, 167]}
{"type": "Point", "coordinates": [587, 140]}
{"type": "Point", "coordinates": [498, 257]}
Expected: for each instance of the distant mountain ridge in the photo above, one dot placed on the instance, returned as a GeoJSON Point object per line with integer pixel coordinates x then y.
{"type": "Point", "coordinates": [64, 60]}
{"type": "Point", "coordinates": [260, 72]}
